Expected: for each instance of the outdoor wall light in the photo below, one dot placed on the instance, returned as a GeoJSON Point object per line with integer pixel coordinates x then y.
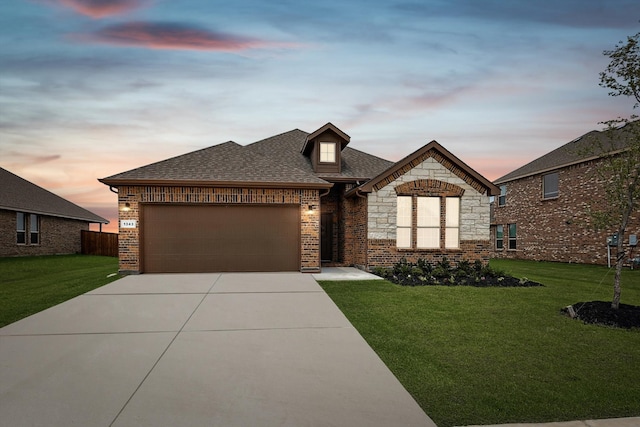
{"type": "Point", "coordinates": [127, 207]}
{"type": "Point", "coordinates": [309, 208]}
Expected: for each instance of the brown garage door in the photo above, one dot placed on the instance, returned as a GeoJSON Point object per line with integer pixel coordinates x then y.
{"type": "Point", "coordinates": [206, 238]}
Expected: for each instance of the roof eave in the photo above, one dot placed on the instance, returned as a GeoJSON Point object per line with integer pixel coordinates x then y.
{"type": "Point", "coordinates": [98, 220]}
{"type": "Point", "coordinates": [217, 184]}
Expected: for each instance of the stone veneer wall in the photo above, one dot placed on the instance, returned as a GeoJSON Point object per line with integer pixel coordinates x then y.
{"type": "Point", "coordinates": [129, 239]}
{"type": "Point", "coordinates": [558, 229]}
{"type": "Point", "coordinates": [474, 218]}
{"type": "Point", "coordinates": [57, 236]}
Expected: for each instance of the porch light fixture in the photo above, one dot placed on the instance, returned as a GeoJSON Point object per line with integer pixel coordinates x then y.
{"type": "Point", "coordinates": [127, 207]}
{"type": "Point", "coordinates": [310, 209]}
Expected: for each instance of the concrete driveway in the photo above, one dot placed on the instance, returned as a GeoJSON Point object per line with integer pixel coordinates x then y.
{"type": "Point", "coordinates": [231, 349]}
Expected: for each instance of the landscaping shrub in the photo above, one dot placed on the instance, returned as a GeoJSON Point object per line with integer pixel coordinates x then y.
{"type": "Point", "coordinates": [443, 273]}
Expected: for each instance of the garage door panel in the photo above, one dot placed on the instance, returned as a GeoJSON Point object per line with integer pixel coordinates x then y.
{"type": "Point", "coordinates": [197, 238]}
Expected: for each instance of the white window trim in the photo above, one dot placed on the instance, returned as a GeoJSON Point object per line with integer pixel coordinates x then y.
{"type": "Point", "coordinates": [404, 222]}
{"type": "Point", "coordinates": [428, 228]}
{"type": "Point", "coordinates": [426, 232]}
{"type": "Point", "coordinates": [452, 223]}
{"type": "Point", "coordinates": [324, 154]}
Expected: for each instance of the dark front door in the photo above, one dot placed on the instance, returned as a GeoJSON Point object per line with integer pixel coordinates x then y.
{"type": "Point", "coordinates": [326, 237]}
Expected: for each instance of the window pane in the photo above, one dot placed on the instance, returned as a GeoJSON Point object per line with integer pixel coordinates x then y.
{"type": "Point", "coordinates": [512, 236]}
{"type": "Point", "coordinates": [452, 238]}
{"type": "Point", "coordinates": [499, 231]}
{"type": "Point", "coordinates": [404, 211]}
{"type": "Point", "coordinates": [499, 244]}
{"type": "Point", "coordinates": [328, 152]}
{"type": "Point", "coordinates": [429, 238]}
{"type": "Point", "coordinates": [453, 212]}
{"type": "Point", "coordinates": [20, 220]}
{"type": "Point", "coordinates": [21, 235]}
{"type": "Point", "coordinates": [502, 199]}
{"type": "Point", "coordinates": [403, 237]}
{"type": "Point", "coordinates": [33, 223]}
{"type": "Point", "coordinates": [550, 185]}
{"type": "Point", "coordinates": [428, 212]}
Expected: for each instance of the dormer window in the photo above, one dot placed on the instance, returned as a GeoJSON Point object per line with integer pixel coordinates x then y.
{"type": "Point", "coordinates": [327, 152]}
{"type": "Point", "coordinates": [324, 148]}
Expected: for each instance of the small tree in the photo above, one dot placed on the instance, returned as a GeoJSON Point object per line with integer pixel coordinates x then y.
{"type": "Point", "coordinates": [620, 169]}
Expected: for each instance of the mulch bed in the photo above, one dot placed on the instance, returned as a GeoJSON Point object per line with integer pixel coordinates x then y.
{"type": "Point", "coordinates": [601, 313]}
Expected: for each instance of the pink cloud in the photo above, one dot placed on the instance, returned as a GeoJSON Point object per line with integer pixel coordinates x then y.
{"type": "Point", "coordinates": [100, 8]}
{"type": "Point", "coordinates": [172, 36]}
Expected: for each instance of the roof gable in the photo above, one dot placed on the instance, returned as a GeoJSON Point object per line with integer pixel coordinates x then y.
{"type": "Point", "coordinates": [441, 155]}
{"type": "Point", "coordinates": [577, 151]}
{"type": "Point", "coordinates": [18, 194]}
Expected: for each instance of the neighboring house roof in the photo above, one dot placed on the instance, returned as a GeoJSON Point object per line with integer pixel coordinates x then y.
{"type": "Point", "coordinates": [432, 149]}
{"type": "Point", "coordinates": [18, 194]}
{"type": "Point", "coordinates": [272, 162]}
{"type": "Point", "coordinates": [589, 146]}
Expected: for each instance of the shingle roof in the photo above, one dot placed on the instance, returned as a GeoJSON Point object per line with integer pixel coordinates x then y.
{"type": "Point", "coordinates": [18, 194]}
{"type": "Point", "coordinates": [587, 147]}
{"type": "Point", "coordinates": [274, 161]}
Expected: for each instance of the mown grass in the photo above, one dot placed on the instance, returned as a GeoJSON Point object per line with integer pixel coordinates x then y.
{"type": "Point", "coordinates": [503, 355]}
{"type": "Point", "coordinates": [31, 284]}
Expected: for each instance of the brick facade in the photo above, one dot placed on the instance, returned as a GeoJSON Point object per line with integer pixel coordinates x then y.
{"type": "Point", "coordinates": [57, 236]}
{"type": "Point", "coordinates": [558, 229]}
{"type": "Point", "coordinates": [131, 198]}
{"type": "Point", "coordinates": [384, 253]}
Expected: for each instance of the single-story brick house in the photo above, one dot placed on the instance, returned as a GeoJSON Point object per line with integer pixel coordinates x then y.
{"type": "Point", "coordinates": [34, 221]}
{"type": "Point", "coordinates": [297, 201]}
{"type": "Point", "coordinates": [541, 212]}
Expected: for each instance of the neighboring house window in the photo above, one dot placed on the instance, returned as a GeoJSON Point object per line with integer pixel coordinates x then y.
{"type": "Point", "coordinates": [550, 185]}
{"type": "Point", "coordinates": [427, 228]}
{"type": "Point", "coordinates": [403, 222]}
{"type": "Point", "coordinates": [327, 152]}
{"type": "Point", "coordinates": [512, 236]}
{"type": "Point", "coordinates": [34, 229]}
{"type": "Point", "coordinates": [499, 236]}
{"type": "Point", "coordinates": [452, 223]}
{"type": "Point", "coordinates": [21, 228]}
{"type": "Point", "coordinates": [428, 222]}
{"type": "Point", "coordinates": [502, 199]}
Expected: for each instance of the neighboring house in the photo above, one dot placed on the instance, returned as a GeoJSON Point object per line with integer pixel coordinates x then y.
{"type": "Point", "coordinates": [297, 201]}
{"type": "Point", "coordinates": [34, 221]}
{"type": "Point", "coordinates": [542, 210]}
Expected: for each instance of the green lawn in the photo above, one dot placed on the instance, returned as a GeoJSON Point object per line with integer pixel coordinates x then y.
{"type": "Point", "coordinates": [503, 355]}
{"type": "Point", "coordinates": [31, 284]}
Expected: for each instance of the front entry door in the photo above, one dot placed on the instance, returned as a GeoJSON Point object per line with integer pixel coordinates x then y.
{"type": "Point", "coordinates": [326, 237]}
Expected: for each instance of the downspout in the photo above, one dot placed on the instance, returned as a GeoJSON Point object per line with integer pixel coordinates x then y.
{"type": "Point", "coordinates": [111, 189]}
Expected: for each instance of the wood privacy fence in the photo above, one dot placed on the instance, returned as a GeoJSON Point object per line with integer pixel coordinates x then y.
{"type": "Point", "coordinates": [97, 243]}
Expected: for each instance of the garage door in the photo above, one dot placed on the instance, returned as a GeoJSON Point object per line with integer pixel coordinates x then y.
{"type": "Point", "coordinates": [179, 238]}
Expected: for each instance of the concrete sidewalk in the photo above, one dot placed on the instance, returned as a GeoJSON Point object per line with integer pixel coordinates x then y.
{"type": "Point", "coordinates": [263, 349]}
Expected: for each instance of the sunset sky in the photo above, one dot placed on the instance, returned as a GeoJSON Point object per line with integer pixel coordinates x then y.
{"type": "Point", "coordinates": [90, 88]}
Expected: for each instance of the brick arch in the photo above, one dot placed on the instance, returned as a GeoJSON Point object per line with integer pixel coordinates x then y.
{"type": "Point", "coordinates": [429, 187]}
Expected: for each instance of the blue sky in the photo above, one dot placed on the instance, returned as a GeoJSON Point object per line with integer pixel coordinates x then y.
{"type": "Point", "coordinates": [90, 88]}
